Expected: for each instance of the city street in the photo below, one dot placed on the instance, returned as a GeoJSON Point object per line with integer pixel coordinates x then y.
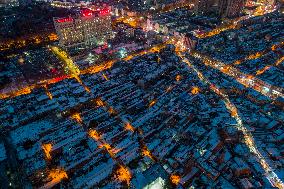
{"type": "Point", "coordinates": [179, 94]}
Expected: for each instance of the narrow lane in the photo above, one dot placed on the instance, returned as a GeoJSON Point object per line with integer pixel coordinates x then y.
{"type": "Point", "coordinates": [248, 138]}
{"type": "Point", "coordinates": [258, 85]}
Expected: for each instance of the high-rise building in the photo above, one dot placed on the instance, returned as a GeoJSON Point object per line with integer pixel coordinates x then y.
{"type": "Point", "coordinates": [9, 3]}
{"type": "Point", "coordinates": [231, 8]}
{"type": "Point", "coordinates": [86, 29]}
{"type": "Point", "coordinates": [25, 2]}
{"type": "Point", "coordinates": [140, 5]}
{"type": "Point", "coordinates": [222, 8]}
{"type": "Point", "coordinates": [266, 2]}
{"type": "Point", "coordinates": [205, 6]}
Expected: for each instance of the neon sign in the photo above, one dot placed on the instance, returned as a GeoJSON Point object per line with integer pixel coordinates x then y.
{"type": "Point", "coordinates": [104, 12]}
{"type": "Point", "coordinates": [87, 12]}
{"type": "Point", "coordinates": [61, 20]}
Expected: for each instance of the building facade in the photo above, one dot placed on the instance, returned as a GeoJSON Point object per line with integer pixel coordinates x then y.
{"type": "Point", "coordinates": [9, 3]}
{"type": "Point", "coordinates": [86, 29]}
{"type": "Point", "coordinates": [231, 8]}
{"type": "Point", "coordinates": [140, 5]}
{"type": "Point", "coordinates": [205, 6]}
{"type": "Point", "coordinates": [222, 8]}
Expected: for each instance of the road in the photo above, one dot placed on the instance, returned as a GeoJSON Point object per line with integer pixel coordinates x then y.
{"type": "Point", "coordinates": [254, 83]}
{"type": "Point", "coordinates": [232, 24]}
{"type": "Point", "coordinates": [27, 89]}
{"type": "Point", "coordinates": [258, 85]}
{"type": "Point", "coordinates": [248, 138]}
{"type": "Point", "coordinates": [74, 72]}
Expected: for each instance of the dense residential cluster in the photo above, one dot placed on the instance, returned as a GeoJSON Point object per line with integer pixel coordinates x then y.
{"type": "Point", "coordinates": [153, 103]}
{"type": "Point", "coordinates": [184, 21]}
{"type": "Point", "coordinates": [30, 67]}
{"type": "Point", "coordinates": [165, 95]}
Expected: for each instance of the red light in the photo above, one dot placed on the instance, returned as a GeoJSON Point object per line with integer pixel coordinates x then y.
{"type": "Point", "coordinates": [57, 79]}
{"type": "Point", "coordinates": [64, 20]}
{"type": "Point", "coordinates": [87, 12]}
{"type": "Point", "coordinates": [53, 70]}
{"type": "Point", "coordinates": [104, 11]}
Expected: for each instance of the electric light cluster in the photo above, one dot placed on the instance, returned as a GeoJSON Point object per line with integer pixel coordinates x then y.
{"type": "Point", "coordinates": [89, 28]}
